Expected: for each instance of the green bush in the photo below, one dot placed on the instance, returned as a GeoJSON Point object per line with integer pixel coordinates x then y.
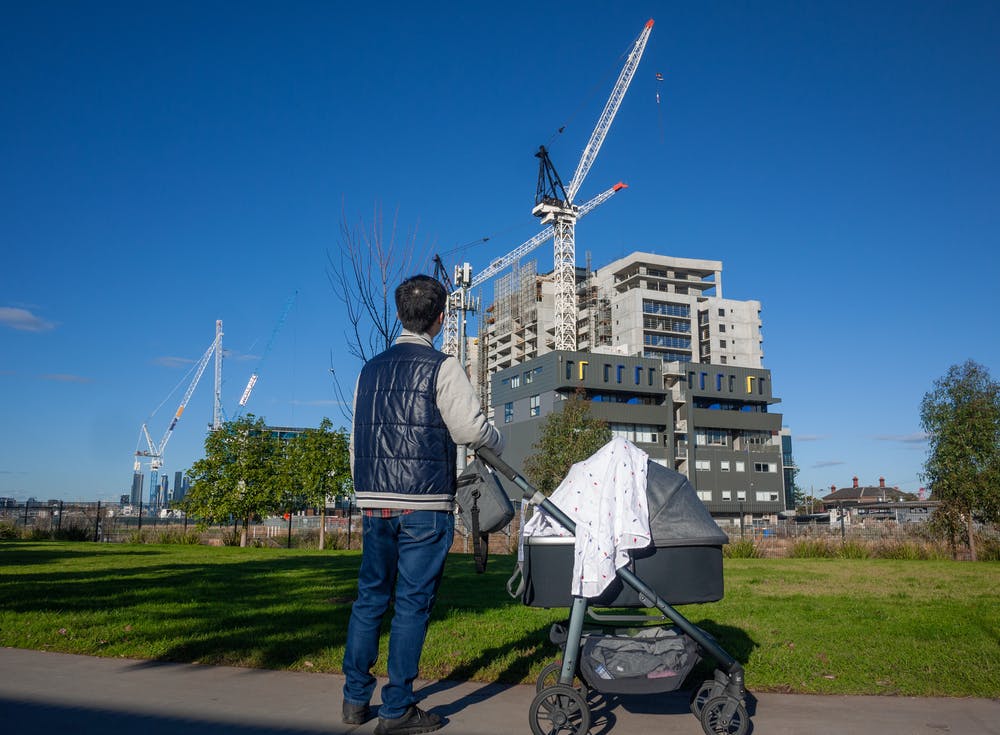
{"type": "Point", "coordinates": [743, 549]}
{"type": "Point", "coordinates": [9, 532]}
{"type": "Point", "coordinates": [74, 533]}
{"type": "Point", "coordinates": [988, 549]}
{"type": "Point", "coordinates": [855, 549]}
{"type": "Point", "coordinates": [231, 538]}
{"type": "Point", "coordinates": [174, 536]}
{"type": "Point", "coordinates": [813, 548]}
{"type": "Point", "coordinates": [38, 534]}
{"type": "Point", "coordinates": [137, 537]}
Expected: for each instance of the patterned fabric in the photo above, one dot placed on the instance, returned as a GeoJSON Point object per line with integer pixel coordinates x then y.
{"type": "Point", "coordinates": [605, 496]}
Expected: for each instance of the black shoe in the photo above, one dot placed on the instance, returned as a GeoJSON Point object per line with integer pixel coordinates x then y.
{"type": "Point", "coordinates": [356, 714]}
{"type": "Point", "coordinates": [413, 721]}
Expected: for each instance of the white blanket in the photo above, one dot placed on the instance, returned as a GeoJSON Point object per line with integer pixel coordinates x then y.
{"type": "Point", "coordinates": [605, 495]}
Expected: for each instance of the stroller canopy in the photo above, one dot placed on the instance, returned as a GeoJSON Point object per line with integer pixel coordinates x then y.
{"type": "Point", "coordinates": [677, 517]}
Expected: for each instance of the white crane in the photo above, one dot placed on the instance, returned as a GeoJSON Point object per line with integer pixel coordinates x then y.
{"type": "Point", "coordinates": [560, 210]}
{"type": "Point", "coordinates": [459, 300]}
{"type": "Point", "coordinates": [562, 214]}
{"type": "Point", "coordinates": [154, 452]}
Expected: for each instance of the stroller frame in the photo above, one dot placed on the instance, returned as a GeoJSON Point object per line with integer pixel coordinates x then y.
{"type": "Point", "coordinates": [719, 703]}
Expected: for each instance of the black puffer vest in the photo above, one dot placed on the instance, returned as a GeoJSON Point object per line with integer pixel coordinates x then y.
{"type": "Point", "coordinates": [403, 454]}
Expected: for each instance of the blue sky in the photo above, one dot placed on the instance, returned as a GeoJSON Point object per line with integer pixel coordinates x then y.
{"type": "Point", "coordinates": [164, 165]}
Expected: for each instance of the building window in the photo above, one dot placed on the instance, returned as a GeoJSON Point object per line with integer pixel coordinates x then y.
{"type": "Point", "coordinates": [619, 369]}
{"type": "Point", "coordinates": [638, 375]}
{"type": "Point", "coordinates": [741, 495]}
{"type": "Point", "coordinates": [722, 312]}
{"type": "Point", "coordinates": [569, 369]}
{"type": "Point", "coordinates": [607, 373]}
{"type": "Point", "coordinates": [652, 375]}
{"type": "Point", "coordinates": [508, 412]}
{"type": "Point", "coordinates": [515, 381]}
{"type": "Point", "coordinates": [712, 438]}
{"type": "Point", "coordinates": [536, 406]}
{"type": "Point", "coordinates": [722, 360]}
{"type": "Point", "coordinates": [767, 496]}
{"type": "Point", "coordinates": [724, 465]}
{"type": "Point", "coordinates": [741, 467]}
{"type": "Point", "coordinates": [703, 465]}
{"type": "Point", "coordinates": [722, 343]}
{"type": "Point", "coordinates": [765, 467]}
{"type": "Point", "coordinates": [528, 376]}
{"type": "Point", "coordinates": [732, 383]}
{"type": "Point", "coordinates": [722, 328]}
{"type": "Point", "coordinates": [705, 496]}
{"type": "Point", "coordinates": [727, 494]}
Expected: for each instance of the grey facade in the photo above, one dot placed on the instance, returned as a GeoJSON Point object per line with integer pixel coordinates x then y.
{"type": "Point", "coordinates": [709, 422]}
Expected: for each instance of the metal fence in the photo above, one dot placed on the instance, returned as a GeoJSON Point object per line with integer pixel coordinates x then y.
{"type": "Point", "coordinates": [112, 523]}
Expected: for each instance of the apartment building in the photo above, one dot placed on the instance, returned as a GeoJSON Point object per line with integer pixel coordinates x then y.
{"type": "Point", "coordinates": [712, 423]}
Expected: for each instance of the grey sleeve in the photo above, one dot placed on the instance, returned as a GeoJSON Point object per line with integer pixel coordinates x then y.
{"type": "Point", "coordinates": [459, 406]}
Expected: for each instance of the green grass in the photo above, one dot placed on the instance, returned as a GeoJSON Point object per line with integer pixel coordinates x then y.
{"type": "Point", "coordinates": [845, 626]}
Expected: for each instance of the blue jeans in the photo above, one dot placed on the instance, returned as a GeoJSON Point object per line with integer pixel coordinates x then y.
{"type": "Point", "coordinates": [407, 551]}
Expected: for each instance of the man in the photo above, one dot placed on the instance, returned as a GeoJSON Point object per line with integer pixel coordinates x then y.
{"type": "Point", "coordinates": [412, 406]}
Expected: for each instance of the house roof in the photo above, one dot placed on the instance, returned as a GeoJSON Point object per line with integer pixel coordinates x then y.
{"type": "Point", "coordinates": [867, 494]}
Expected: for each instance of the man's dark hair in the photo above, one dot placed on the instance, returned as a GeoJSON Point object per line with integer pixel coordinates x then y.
{"type": "Point", "coordinates": [419, 302]}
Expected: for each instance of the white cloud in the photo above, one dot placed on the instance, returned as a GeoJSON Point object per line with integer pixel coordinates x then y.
{"type": "Point", "coordinates": [918, 437]}
{"type": "Point", "coordinates": [172, 362]}
{"type": "Point", "coordinates": [67, 378]}
{"type": "Point", "coordinates": [23, 320]}
{"type": "Point", "coordinates": [809, 437]}
{"type": "Point", "coordinates": [828, 463]}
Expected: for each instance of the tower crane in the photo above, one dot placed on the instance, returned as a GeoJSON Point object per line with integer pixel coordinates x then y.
{"type": "Point", "coordinates": [554, 203]}
{"type": "Point", "coordinates": [554, 206]}
{"type": "Point", "coordinates": [154, 452]}
{"type": "Point", "coordinates": [466, 282]}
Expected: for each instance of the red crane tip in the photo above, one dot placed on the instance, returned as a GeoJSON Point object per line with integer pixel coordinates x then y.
{"type": "Point", "coordinates": [649, 23]}
{"type": "Point", "coordinates": [619, 186]}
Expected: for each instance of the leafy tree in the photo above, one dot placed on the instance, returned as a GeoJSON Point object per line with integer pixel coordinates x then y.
{"type": "Point", "coordinates": [961, 416]}
{"type": "Point", "coordinates": [320, 466]}
{"type": "Point", "coordinates": [240, 475]}
{"type": "Point", "coordinates": [567, 436]}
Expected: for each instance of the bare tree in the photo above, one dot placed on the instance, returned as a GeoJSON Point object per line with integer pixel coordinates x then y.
{"type": "Point", "coordinates": [364, 275]}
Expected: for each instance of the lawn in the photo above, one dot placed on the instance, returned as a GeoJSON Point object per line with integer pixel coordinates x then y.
{"type": "Point", "coordinates": [799, 625]}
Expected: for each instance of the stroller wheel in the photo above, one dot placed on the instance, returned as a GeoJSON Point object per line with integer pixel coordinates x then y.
{"type": "Point", "coordinates": [724, 716]}
{"type": "Point", "coordinates": [559, 710]}
{"type": "Point", "coordinates": [705, 692]}
{"type": "Point", "coordinates": [550, 678]}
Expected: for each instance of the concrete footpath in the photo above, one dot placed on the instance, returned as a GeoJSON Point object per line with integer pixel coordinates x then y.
{"type": "Point", "coordinates": [43, 693]}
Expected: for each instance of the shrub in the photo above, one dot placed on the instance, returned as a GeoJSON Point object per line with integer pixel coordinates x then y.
{"type": "Point", "coordinates": [173, 536]}
{"type": "Point", "coordinates": [9, 532]}
{"type": "Point", "coordinates": [854, 549]}
{"type": "Point", "coordinates": [988, 549]}
{"type": "Point", "coordinates": [137, 537]}
{"type": "Point", "coordinates": [74, 533]}
{"type": "Point", "coordinates": [38, 534]}
{"type": "Point", "coordinates": [231, 538]}
{"type": "Point", "coordinates": [815, 548]}
{"type": "Point", "coordinates": [743, 549]}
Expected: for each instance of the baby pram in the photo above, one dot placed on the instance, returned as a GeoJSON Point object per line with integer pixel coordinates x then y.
{"type": "Point", "coordinates": [683, 565]}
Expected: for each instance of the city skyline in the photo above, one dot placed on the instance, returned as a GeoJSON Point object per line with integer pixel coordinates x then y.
{"type": "Point", "coordinates": [169, 165]}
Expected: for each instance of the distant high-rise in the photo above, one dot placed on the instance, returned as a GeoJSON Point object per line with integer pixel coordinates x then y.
{"type": "Point", "coordinates": [135, 497]}
{"type": "Point", "coordinates": [179, 487]}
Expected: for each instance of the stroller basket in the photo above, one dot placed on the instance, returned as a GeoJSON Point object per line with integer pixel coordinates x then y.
{"type": "Point", "coordinates": [648, 660]}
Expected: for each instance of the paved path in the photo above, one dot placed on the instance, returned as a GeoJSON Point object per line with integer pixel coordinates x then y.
{"type": "Point", "coordinates": [54, 693]}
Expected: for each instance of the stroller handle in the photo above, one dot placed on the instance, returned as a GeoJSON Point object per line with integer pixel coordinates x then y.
{"type": "Point", "coordinates": [491, 458]}
{"type": "Point", "coordinates": [530, 494]}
